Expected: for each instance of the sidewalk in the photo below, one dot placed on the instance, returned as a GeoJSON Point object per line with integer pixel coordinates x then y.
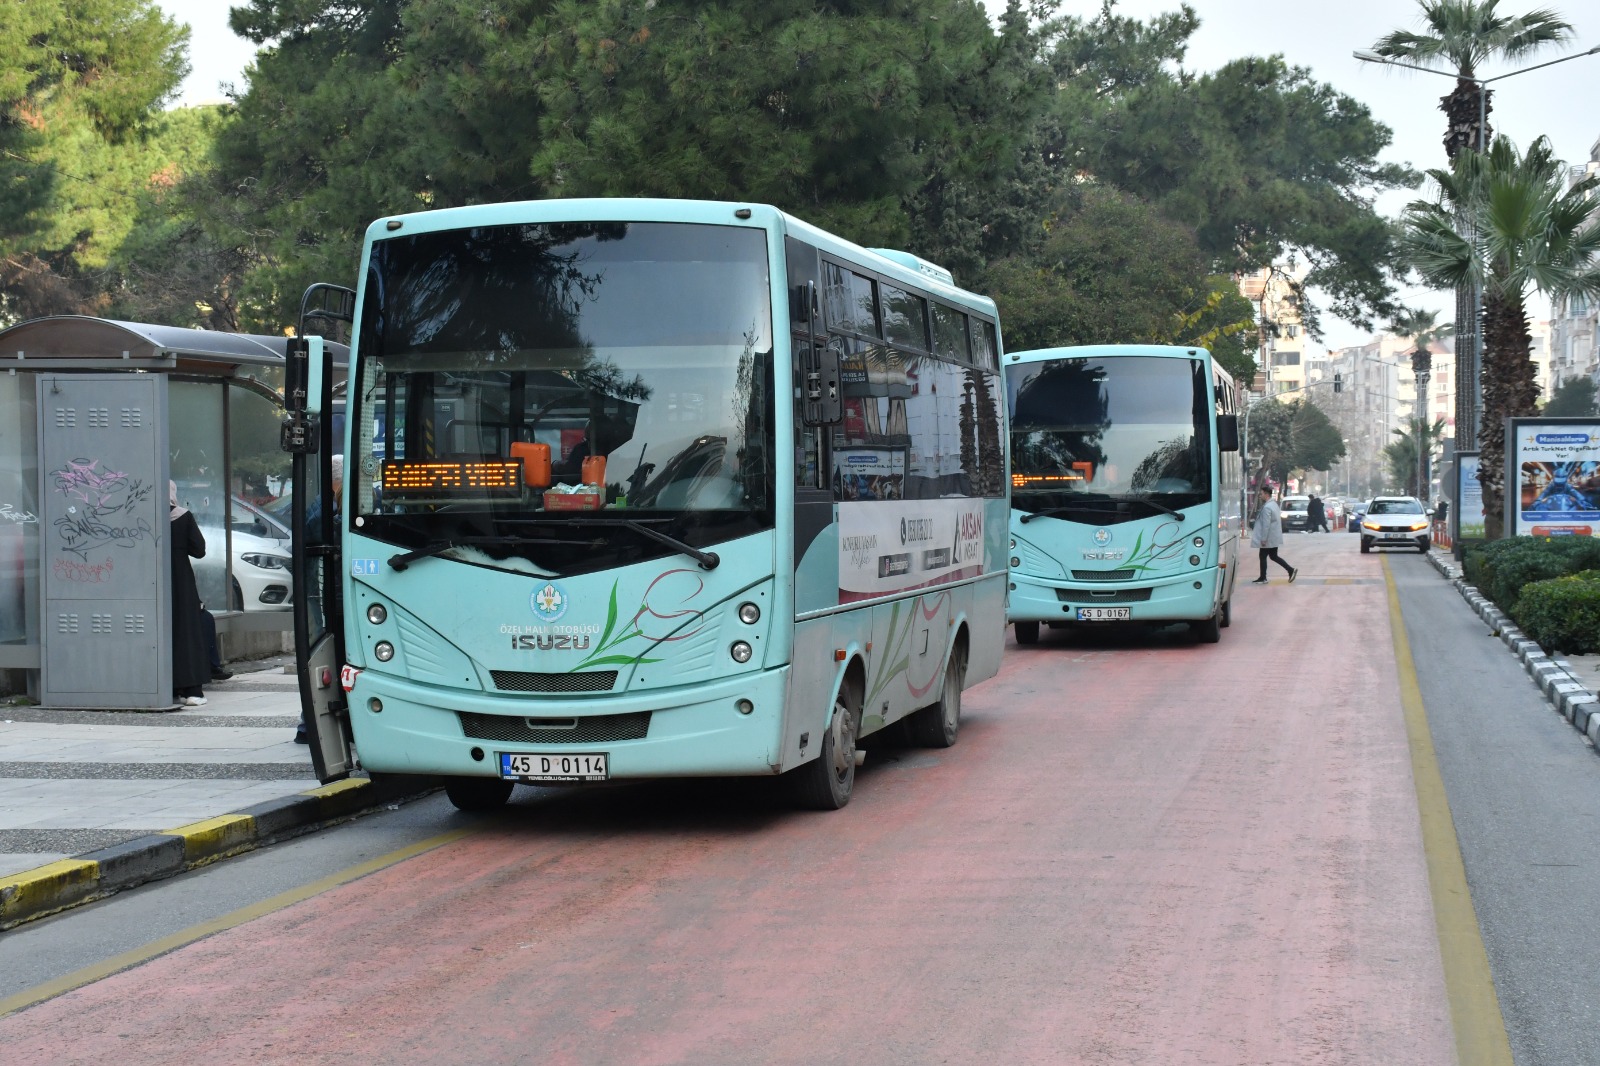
{"type": "Point", "coordinates": [92, 802]}
{"type": "Point", "coordinates": [1570, 683]}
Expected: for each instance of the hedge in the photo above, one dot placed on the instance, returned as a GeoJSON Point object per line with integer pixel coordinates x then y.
{"type": "Point", "coordinates": [1562, 614]}
{"type": "Point", "coordinates": [1503, 569]}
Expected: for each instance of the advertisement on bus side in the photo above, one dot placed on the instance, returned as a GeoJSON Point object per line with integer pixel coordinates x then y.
{"type": "Point", "coordinates": [900, 545]}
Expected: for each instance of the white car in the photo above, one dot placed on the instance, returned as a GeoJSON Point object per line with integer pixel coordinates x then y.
{"type": "Point", "coordinates": [1296, 512]}
{"type": "Point", "coordinates": [1396, 522]}
{"type": "Point", "coordinates": [261, 554]}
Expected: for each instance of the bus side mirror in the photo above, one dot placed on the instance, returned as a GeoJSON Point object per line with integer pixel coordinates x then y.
{"type": "Point", "coordinates": [819, 373]}
{"type": "Point", "coordinates": [302, 394]}
{"type": "Point", "coordinates": [1228, 433]}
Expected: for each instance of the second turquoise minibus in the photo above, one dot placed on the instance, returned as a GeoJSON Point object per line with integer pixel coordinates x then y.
{"type": "Point", "coordinates": [1125, 478]}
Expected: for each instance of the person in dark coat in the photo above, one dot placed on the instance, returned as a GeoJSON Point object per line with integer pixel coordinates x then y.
{"type": "Point", "coordinates": [191, 665]}
{"type": "Point", "coordinates": [1316, 516]}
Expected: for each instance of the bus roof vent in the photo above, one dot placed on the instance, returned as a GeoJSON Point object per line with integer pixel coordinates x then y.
{"type": "Point", "coordinates": [919, 264]}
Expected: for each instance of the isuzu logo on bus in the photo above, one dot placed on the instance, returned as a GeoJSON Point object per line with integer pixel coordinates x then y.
{"type": "Point", "coordinates": [551, 642]}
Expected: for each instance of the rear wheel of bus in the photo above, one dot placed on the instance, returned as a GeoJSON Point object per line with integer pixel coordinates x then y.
{"type": "Point", "coordinates": [937, 725]}
{"type": "Point", "coordinates": [826, 782]}
{"type": "Point", "coordinates": [477, 793]}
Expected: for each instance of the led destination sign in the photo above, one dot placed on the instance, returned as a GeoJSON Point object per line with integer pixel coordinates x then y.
{"type": "Point", "coordinates": [446, 479]}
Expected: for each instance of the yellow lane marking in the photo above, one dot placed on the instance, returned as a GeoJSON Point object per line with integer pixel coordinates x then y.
{"type": "Point", "coordinates": [146, 952]}
{"type": "Point", "coordinates": [1474, 1008]}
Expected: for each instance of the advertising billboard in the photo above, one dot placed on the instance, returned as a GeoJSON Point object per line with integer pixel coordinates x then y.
{"type": "Point", "coordinates": [1553, 477]}
{"type": "Point", "coordinates": [1469, 498]}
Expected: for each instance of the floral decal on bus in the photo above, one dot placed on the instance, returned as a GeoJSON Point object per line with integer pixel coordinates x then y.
{"type": "Point", "coordinates": [662, 617]}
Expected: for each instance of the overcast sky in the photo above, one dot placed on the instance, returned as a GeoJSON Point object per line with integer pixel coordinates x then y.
{"type": "Point", "coordinates": [1558, 102]}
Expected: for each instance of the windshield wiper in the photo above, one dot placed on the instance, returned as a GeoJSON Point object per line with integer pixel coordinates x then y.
{"type": "Point", "coordinates": [707, 560]}
{"type": "Point", "coordinates": [1148, 502]}
{"type": "Point", "coordinates": [1084, 506]}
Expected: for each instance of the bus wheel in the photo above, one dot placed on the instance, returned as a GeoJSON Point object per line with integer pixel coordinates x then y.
{"type": "Point", "coordinates": [477, 793]}
{"type": "Point", "coordinates": [1227, 613]}
{"type": "Point", "coordinates": [825, 783]}
{"type": "Point", "coordinates": [1027, 632]}
{"type": "Point", "coordinates": [936, 725]}
{"type": "Point", "coordinates": [1207, 632]}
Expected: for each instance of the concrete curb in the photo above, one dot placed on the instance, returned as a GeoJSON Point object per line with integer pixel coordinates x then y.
{"type": "Point", "coordinates": [1567, 695]}
{"type": "Point", "coordinates": [94, 875]}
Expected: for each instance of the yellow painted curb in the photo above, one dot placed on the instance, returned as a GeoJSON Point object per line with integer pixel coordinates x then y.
{"type": "Point", "coordinates": [347, 785]}
{"type": "Point", "coordinates": [46, 888]}
{"type": "Point", "coordinates": [216, 837]}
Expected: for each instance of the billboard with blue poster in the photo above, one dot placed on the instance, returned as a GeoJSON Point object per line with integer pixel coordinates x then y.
{"type": "Point", "coordinates": [1553, 477]}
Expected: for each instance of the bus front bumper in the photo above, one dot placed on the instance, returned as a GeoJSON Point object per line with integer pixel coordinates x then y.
{"type": "Point", "coordinates": [1187, 597]}
{"type": "Point", "coordinates": [697, 731]}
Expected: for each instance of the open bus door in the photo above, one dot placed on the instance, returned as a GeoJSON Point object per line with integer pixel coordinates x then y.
{"type": "Point", "coordinates": [318, 606]}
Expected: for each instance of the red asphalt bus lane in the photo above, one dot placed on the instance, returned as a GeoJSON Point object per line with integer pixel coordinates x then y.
{"type": "Point", "coordinates": [1141, 850]}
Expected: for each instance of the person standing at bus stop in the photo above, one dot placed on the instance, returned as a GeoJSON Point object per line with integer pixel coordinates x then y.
{"type": "Point", "coordinates": [1267, 536]}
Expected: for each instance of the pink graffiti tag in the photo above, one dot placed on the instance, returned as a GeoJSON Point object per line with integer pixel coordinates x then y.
{"type": "Point", "coordinates": [84, 573]}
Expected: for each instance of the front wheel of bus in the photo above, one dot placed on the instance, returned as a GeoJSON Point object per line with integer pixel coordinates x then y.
{"type": "Point", "coordinates": [1027, 632]}
{"type": "Point", "coordinates": [477, 793]}
{"type": "Point", "coordinates": [825, 783]}
{"type": "Point", "coordinates": [936, 725]}
{"type": "Point", "coordinates": [1207, 632]}
{"type": "Point", "coordinates": [1227, 613]}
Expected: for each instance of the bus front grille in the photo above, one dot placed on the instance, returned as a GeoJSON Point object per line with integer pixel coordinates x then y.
{"type": "Point", "coordinates": [1094, 597]}
{"type": "Point", "coordinates": [584, 681]}
{"type": "Point", "coordinates": [594, 729]}
{"type": "Point", "coordinates": [1102, 575]}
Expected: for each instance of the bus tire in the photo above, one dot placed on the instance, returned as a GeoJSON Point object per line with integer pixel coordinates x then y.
{"type": "Point", "coordinates": [826, 782]}
{"type": "Point", "coordinates": [1208, 631]}
{"type": "Point", "coordinates": [1227, 613]}
{"type": "Point", "coordinates": [1027, 632]}
{"type": "Point", "coordinates": [936, 725]}
{"type": "Point", "coordinates": [477, 793]}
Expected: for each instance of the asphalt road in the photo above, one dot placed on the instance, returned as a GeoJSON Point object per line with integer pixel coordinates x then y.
{"type": "Point", "coordinates": [1142, 850]}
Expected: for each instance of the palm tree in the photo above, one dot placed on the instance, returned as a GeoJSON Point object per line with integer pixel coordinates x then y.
{"type": "Point", "coordinates": [1405, 455]}
{"type": "Point", "coordinates": [1465, 34]}
{"type": "Point", "coordinates": [1462, 35]}
{"type": "Point", "coordinates": [1529, 233]}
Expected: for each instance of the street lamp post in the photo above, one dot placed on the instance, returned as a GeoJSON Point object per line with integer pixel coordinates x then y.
{"type": "Point", "coordinates": [1422, 367]}
{"type": "Point", "coordinates": [1467, 435]}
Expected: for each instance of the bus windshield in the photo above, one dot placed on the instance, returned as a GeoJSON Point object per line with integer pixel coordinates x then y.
{"type": "Point", "coordinates": [1109, 428]}
{"type": "Point", "coordinates": [521, 389]}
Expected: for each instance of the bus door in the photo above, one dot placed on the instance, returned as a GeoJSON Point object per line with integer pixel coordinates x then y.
{"type": "Point", "coordinates": [318, 615]}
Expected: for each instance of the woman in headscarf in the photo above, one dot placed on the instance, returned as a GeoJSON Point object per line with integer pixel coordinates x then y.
{"type": "Point", "coordinates": [191, 665]}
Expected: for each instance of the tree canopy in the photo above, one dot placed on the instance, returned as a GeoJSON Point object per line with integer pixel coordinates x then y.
{"type": "Point", "coordinates": [1018, 154]}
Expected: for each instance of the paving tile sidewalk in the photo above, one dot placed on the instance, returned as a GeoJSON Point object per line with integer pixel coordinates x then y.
{"type": "Point", "coordinates": [95, 801]}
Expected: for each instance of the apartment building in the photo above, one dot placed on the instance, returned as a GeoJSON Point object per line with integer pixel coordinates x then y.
{"type": "Point", "coordinates": [1574, 339]}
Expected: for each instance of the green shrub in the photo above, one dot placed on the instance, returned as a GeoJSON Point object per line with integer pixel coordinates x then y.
{"type": "Point", "coordinates": [1562, 614]}
{"type": "Point", "coordinates": [1502, 569]}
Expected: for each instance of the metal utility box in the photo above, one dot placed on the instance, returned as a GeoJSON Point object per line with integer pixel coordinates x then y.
{"type": "Point", "coordinates": [104, 540]}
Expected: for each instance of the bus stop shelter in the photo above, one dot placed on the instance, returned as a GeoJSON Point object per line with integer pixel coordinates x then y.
{"type": "Point", "coordinates": [96, 417]}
